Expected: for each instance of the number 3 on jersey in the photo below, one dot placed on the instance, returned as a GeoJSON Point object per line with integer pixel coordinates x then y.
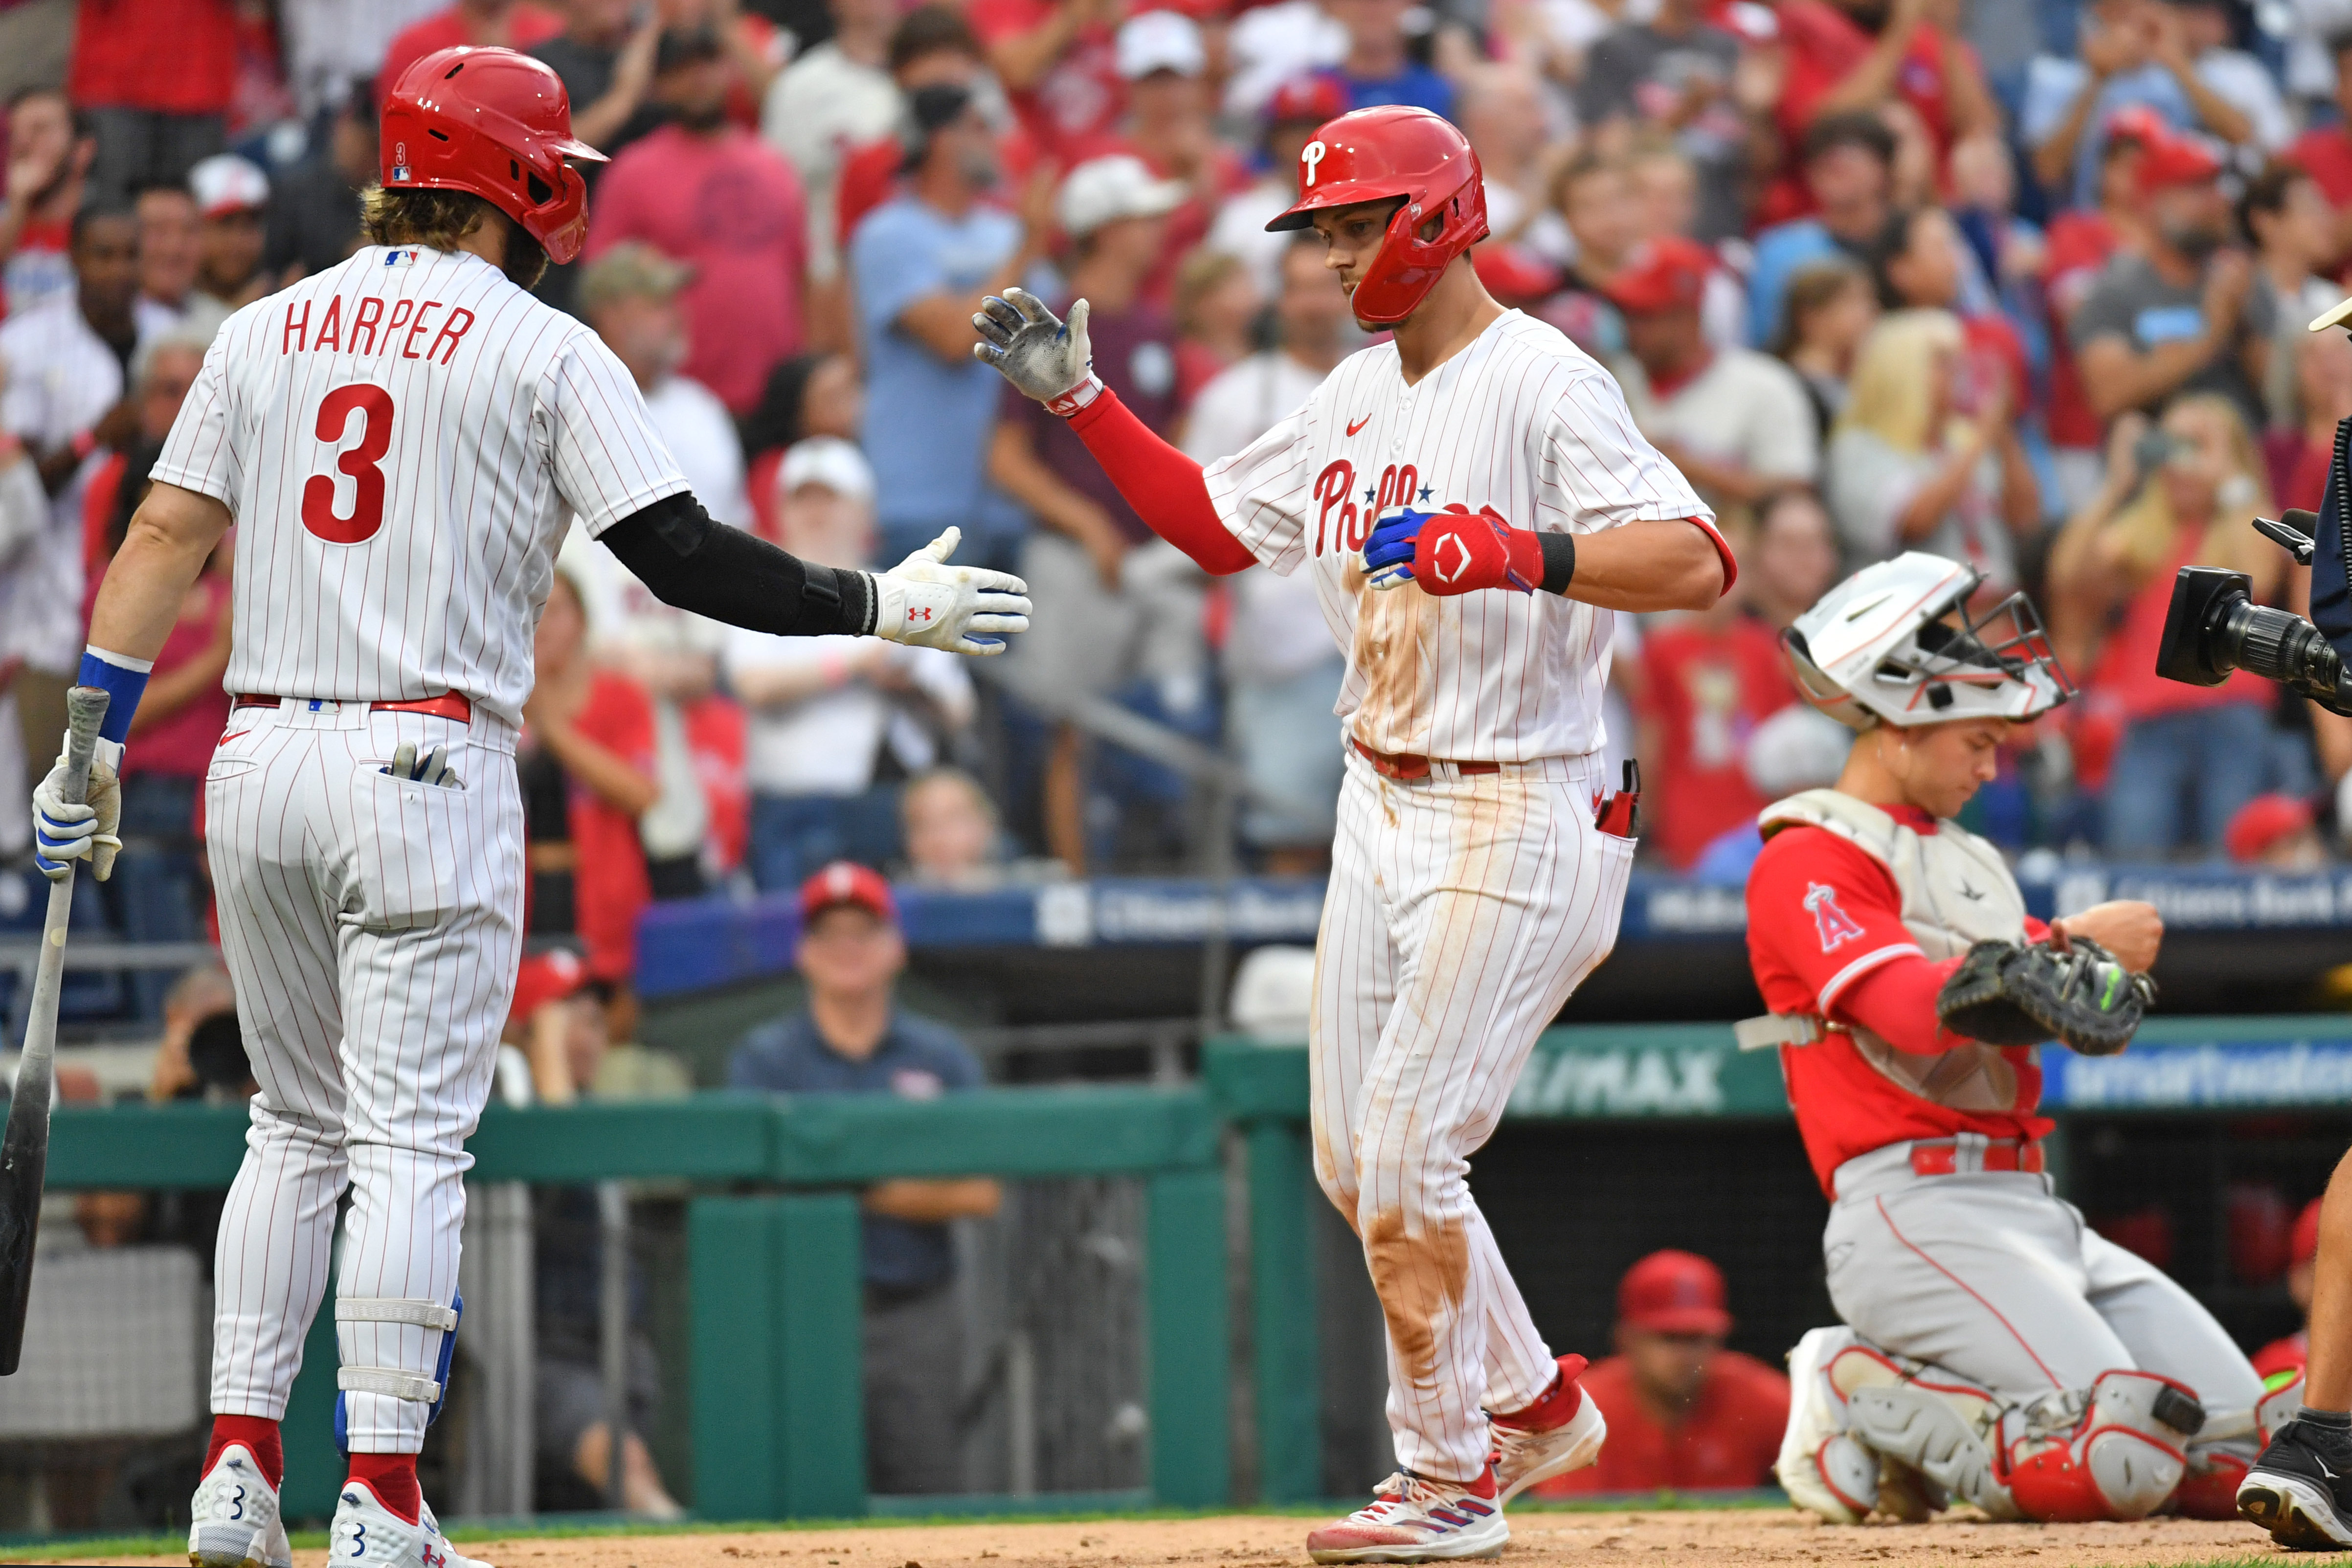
{"type": "Point", "coordinates": [363, 463]}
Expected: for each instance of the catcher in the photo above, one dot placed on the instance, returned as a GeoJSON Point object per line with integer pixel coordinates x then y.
{"type": "Point", "coordinates": [1995, 1350]}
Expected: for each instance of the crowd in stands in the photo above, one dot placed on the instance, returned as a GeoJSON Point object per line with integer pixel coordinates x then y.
{"type": "Point", "coordinates": [2022, 284]}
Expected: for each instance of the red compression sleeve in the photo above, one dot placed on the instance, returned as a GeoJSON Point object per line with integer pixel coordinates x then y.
{"type": "Point", "coordinates": [1163, 485]}
{"type": "Point", "coordinates": [1896, 1001]}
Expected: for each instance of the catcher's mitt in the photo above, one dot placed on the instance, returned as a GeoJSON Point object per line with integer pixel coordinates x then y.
{"type": "Point", "coordinates": [2007, 994]}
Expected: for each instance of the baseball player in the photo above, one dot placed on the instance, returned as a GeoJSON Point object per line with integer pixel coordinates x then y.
{"type": "Point", "coordinates": [1474, 883]}
{"type": "Point", "coordinates": [404, 440]}
{"type": "Point", "coordinates": [1994, 1349]}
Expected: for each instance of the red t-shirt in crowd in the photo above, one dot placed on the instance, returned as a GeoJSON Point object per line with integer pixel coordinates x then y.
{"type": "Point", "coordinates": [168, 57]}
{"type": "Point", "coordinates": [1135, 354]}
{"type": "Point", "coordinates": [2283, 1356]}
{"type": "Point", "coordinates": [2124, 680]}
{"type": "Point", "coordinates": [2080, 245]}
{"type": "Point", "coordinates": [1081, 93]}
{"type": "Point", "coordinates": [609, 886]}
{"type": "Point", "coordinates": [1824, 46]}
{"type": "Point", "coordinates": [719, 739]}
{"type": "Point", "coordinates": [2326, 154]}
{"type": "Point", "coordinates": [1706, 688]}
{"type": "Point", "coordinates": [1821, 915]}
{"type": "Point", "coordinates": [1728, 1439]}
{"type": "Point", "coordinates": [732, 206]}
{"type": "Point", "coordinates": [528, 26]}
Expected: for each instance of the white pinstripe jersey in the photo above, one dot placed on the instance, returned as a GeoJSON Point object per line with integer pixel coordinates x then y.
{"type": "Point", "coordinates": [1521, 420]}
{"type": "Point", "coordinates": [404, 440]}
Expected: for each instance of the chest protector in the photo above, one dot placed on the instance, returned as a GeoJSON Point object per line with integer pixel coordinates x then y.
{"type": "Point", "coordinates": [1956, 891]}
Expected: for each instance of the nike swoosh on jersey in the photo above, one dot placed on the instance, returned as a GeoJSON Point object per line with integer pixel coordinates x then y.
{"type": "Point", "coordinates": [1360, 424]}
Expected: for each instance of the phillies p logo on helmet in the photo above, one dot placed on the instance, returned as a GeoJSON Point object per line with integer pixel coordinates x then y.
{"type": "Point", "coordinates": [1311, 154]}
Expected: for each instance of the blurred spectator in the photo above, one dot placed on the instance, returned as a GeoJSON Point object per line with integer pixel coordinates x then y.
{"type": "Point", "coordinates": [933, 46]}
{"type": "Point", "coordinates": [1907, 470]}
{"type": "Point", "coordinates": [755, 48]}
{"type": "Point", "coordinates": [2178, 494]}
{"type": "Point", "coordinates": [1794, 559]}
{"type": "Point", "coordinates": [1378, 66]}
{"type": "Point", "coordinates": [1735, 422]}
{"type": "Point", "coordinates": [1282, 677]}
{"type": "Point", "coordinates": [2281, 211]}
{"type": "Point", "coordinates": [2236, 77]}
{"type": "Point", "coordinates": [585, 763]}
{"type": "Point", "coordinates": [200, 1055]}
{"type": "Point", "coordinates": [193, 996]}
{"type": "Point", "coordinates": [1059, 61]}
{"type": "Point", "coordinates": [829, 715]}
{"type": "Point", "coordinates": [953, 836]}
{"type": "Point", "coordinates": [314, 214]}
{"type": "Point", "coordinates": [2283, 1358]}
{"type": "Point", "coordinates": [2082, 241]}
{"type": "Point", "coordinates": [563, 1031]}
{"type": "Point", "coordinates": [232, 195]}
{"type": "Point", "coordinates": [1282, 44]}
{"type": "Point", "coordinates": [1167, 124]}
{"type": "Point", "coordinates": [23, 518]}
{"type": "Point", "coordinates": [2183, 313]}
{"type": "Point", "coordinates": [2325, 148]}
{"type": "Point", "coordinates": [852, 1039]}
{"type": "Point", "coordinates": [1859, 56]}
{"type": "Point", "coordinates": [630, 295]}
{"type": "Point", "coordinates": [919, 269]}
{"type": "Point", "coordinates": [834, 97]}
{"type": "Point", "coordinates": [1503, 114]}
{"type": "Point", "coordinates": [1916, 262]}
{"type": "Point", "coordinates": [154, 78]}
{"type": "Point", "coordinates": [1673, 72]}
{"type": "Point", "coordinates": [1217, 305]}
{"type": "Point", "coordinates": [712, 195]}
{"type": "Point", "coordinates": [1799, 748]}
{"type": "Point", "coordinates": [606, 57]}
{"type": "Point", "coordinates": [63, 368]}
{"type": "Point", "coordinates": [2131, 53]}
{"type": "Point", "coordinates": [1849, 162]}
{"type": "Point", "coordinates": [2009, 251]}
{"type": "Point", "coordinates": [2277, 833]}
{"type": "Point", "coordinates": [510, 24]}
{"type": "Point", "coordinates": [810, 394]}
{"type": "Point", "coordinates": [1831, 305]}
{"type": "Point", "coordinates": [2299, 458]}
{"type": "Point", "coordinates": [167, 254]}
{"type": "Point", "coordinates": [49, 153]}
{"type": "Point", "coordinates": [1111, 627]}
{"type": "Point", "coordinates": [1297, 107]}
{"type": "Point", "coordinates": [1664, 185]}
{"type": "Point", "coordinates": [1685, 1413]}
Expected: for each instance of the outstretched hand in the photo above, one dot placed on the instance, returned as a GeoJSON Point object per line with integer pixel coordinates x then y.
{"type": "Point", "coordinates": [1043, 356]}
{"type": "Point", "coordinates": [926, 603]}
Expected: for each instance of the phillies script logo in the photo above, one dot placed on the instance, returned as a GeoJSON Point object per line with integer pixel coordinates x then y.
{"type": "Point", "coordinates": [1340, 524]}
{"type": "Point", "coordinates": [1834, 926]}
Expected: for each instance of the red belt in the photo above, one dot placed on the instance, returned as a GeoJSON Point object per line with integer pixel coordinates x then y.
{"type": "Point", "coordinates": [448, 705]}
{"type": "Point", "coordinates": [1408, 767]}
{"type": "Point", "coordinates": [1942, 1156]}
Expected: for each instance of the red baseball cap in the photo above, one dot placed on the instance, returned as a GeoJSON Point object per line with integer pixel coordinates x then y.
{"type": "Point", "coordinates": [2306, 1246]}
{"type": "Point", "coordinates": [545, 978]}
{"type": "Point", "coordinates": [846, 883]}
{"type": "Point", "coordinates": [2262, 822]}
{"type": "Point", "coordinates": [1315, 99]}
{"type": "Point", "coordinates": [2173, 160]}
{"type": "Point", "coordinates": [1672, 1292]}
{"type": "Point", "coordinates": [1664, 274]}
{"type": "Point", "coordinates": [2136, 122]}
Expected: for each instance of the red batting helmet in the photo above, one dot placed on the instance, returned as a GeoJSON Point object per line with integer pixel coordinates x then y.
{"type": "Point", "coordinates": [497, 123]}
{"type": "Point", "coordinates": [1377, 155]}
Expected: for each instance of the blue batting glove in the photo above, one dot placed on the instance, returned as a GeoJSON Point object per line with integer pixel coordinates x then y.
{"type": "Point", "coordinates": [1388, 554]}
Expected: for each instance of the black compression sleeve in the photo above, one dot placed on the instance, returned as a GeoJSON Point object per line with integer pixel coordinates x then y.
{"type": "Point", "coordinates": [693, 563]}
{"type": "Point", "coordinates": [1560, 562]}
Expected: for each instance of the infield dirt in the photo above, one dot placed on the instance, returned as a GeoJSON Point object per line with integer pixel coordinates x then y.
{"type": "Point", "coordinates": [1634, 1540]}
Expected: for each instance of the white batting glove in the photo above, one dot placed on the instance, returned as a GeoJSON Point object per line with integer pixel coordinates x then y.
{"type": "Point", "coordinates": [64, 833]}
{"type": "Point", "coordinates": [1043, 356]}
{"type": "Point", "coordinates": [926, 603]}
{"type": "Point", "coordinates": [432, 767]}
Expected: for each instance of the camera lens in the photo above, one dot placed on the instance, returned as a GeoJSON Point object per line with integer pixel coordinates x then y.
{"type": "Point", "coordinates": [2277, 646]}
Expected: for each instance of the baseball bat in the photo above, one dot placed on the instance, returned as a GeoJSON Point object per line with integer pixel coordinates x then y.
{"type": "Point", "coordinates": [25, 1147]}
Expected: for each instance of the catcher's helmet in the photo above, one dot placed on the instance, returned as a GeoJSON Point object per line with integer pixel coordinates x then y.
{"type": "Point", "coordinates": [497, 123]}
{"type": "Point", "coordinates": [1896, 643]}
{"type": "Point", "coordinates": [1375, 155]}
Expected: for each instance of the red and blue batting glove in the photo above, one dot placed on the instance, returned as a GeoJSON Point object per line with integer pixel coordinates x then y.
{"type": "Point", "coordinates": [1456, 550]}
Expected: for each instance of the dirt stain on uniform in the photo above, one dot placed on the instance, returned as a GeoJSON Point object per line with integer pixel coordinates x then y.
{"type": "Point", "coordinates": [1389, 652]}
{"type": "Point", "coordinates": [1420, 1280]}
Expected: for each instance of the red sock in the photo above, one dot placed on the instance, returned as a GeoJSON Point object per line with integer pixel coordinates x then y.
{"type": "Point", "coordinates": [1559, 1403]}
{"type": "Point", "coordinates": [259, 1436]}
{"type": "Point", "coordinates": [393, 1478]}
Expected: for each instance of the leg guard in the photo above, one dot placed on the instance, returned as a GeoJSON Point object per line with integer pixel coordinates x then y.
{"type": "Point", "coordinates": [1826, 1467]}
{"type": "Point", "coordinates": [433, 1391]}
{"type": "Point", "coordinates": [2225, 1450]}
{"type": "Point", "coordinates": [2114, 1451]}
{"type": "Point", "coordinates": [1938, 1424]}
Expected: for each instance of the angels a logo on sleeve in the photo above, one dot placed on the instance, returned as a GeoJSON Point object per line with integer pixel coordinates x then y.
{"type": "Point", "coordinates": [1834, 926]}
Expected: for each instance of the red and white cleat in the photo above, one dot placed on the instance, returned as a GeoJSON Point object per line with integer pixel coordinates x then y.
{"type": "Point", "coordinates": [1416, 1519]}
{"type": "Point", "coordinates": [1556, 1435]}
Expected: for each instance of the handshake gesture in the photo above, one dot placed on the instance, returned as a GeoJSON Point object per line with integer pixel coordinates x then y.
{"type": "Point", "coordinates": [926, 603]}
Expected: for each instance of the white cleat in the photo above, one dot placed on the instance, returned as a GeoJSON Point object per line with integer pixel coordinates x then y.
{"type": "Point", "coordinates": [234, 1519]}
{"type": "Point", "coordinates": [1415, 1520]}
{"type": "Point", "coordinates": [365, 1531]}
{"type": "Point", "coordinates": [1821, 1468]}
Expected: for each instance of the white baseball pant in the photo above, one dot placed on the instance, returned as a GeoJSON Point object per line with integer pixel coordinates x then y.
{"type": "Point", "coordinates": [371, 926]}
{"type": "Point", "coordinates": [1463, 911]}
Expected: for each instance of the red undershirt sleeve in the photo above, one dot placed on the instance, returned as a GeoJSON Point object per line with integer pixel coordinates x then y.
{"type": "Point", "coordinates": [1163, 485]}
{"type": "Point", "coordinates": [1896, 1001]}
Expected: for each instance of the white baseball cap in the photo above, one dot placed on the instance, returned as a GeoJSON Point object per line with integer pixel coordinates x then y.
{"type": "Point", "coordinates": [1104, 190]}
{"type": "Point", "coordinates": [1160, 41]}
{"type": "Point", "coordinates": [829, 461]}
{"type": "Point", "coordinates": [225, 182]}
